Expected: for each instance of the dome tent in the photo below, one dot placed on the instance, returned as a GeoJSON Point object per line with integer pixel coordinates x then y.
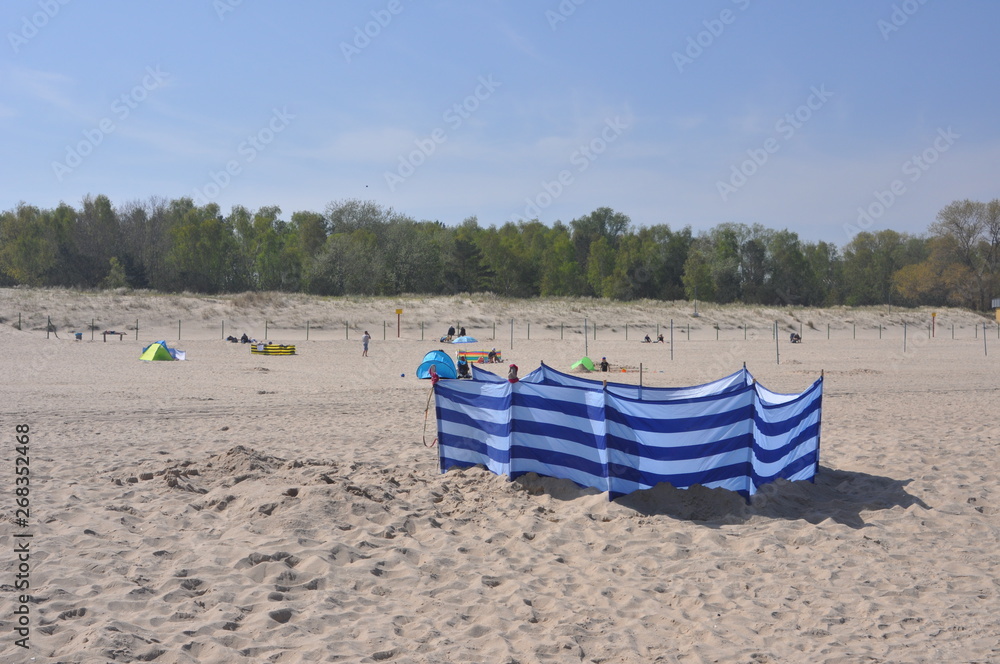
{"type": "Point", "coordinates": [442, 363]}
{"type": "Point", "coordinates": [158, 350]}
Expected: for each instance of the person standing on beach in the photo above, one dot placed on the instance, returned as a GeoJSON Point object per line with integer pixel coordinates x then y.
{"type": "Point", "coordinates": [365, 338]}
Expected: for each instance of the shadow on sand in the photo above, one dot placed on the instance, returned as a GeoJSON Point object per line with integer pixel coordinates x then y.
{"type": "Point", "coordinates": [839, 495]}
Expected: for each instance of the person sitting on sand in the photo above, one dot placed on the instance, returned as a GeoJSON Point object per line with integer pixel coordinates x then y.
{"type": "Point", "coordinates": [795, 338]}
{"type": "Point", "coordinates": [492, 357]}
{"type": "Point", "coordinates": [244, 339]}
{"type": "Point", "coordinates": [647, 340]}
{"type": "Point", "coordinates": [463, 368]}
{"type": "Point", "coordinates": [659, 339]}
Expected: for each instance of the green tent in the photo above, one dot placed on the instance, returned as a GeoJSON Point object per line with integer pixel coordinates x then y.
{"type": "Point", "coordinates": [156, 351]}
{"type": "Point", "coordinates": [584, 362]}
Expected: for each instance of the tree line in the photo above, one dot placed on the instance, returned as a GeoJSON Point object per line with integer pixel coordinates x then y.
{"type": "Point", "coordinates": [361, 248]}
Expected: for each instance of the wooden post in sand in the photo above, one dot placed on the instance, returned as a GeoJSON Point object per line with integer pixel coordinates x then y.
{"type": "Point", "coordinates": [512, 333]}
{"type": "Point", "coordinates": [984, 340]}
{"type": "Point", "coordinates": [904, 336]}
{"type": "Point", "coordinates": [136, 329]}
{"type": "Point", "coordinates": [178, 329]}
{"type": "Point", "coordinates": [777, 350]}
{"type": "Point", "coordinates": [671, 339]}
{"type": "Point", "coordinates": [91, 328]}
{"type": "Point", "coordinates": [585, 337]}
{"type": "Point", "coordinates": [223, 329]}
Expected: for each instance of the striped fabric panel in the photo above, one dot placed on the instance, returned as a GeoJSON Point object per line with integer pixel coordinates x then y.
{"type": "Point", "coordinates": [787, 435]}
{"type": "Point", "coordinates": [741, 378]}
{"type": "Point", "coordinates": [738, 437]}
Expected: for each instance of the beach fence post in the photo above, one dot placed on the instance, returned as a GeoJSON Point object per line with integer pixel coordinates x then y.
{"type": "Point", "coordinates": [48, 326]}
{"type": "Point", "coordinates": [777, 350]}
{"type": "Point", "coordinates": [626, 330]}
{"type": "Point", "coordinates": [561, 326]}
{"type": "Point", "coordinates": [494, 330]}
{"type": "Point", "coordinates": [223, 328]}
{"type": "Point", "coordinates": [178, 329]}
{"type": "Point", "coordinates": [346, 331]}
{"type": "Point", "coordinates": [880, 330]}
{"type": "Point", "coordinates": [136, 329]}
{"type": "Point", "coordinates": [422, 330]}
{"type": "Point", "coordinates": [671, 339]}
{"type": "Point", "coordinates": [512, 333]}
{"type": "Point", "coordinates": [383, 330]}
{"type": "Point", "coordinates": [307, 330]}
{"type": "Point", "coordinates": [585, 337]}
{"type": "Point", "coordinates": [92, 330]}
{"type": "Point", "coordinates": [716, 331]}
{"type": "Point", "coordinates": [744, 330]}
{"type": "Point", "coordinates": [265, 330]}
{"type": "Point", "coordinates": [827, 331]}
{"type": "Point", "coordinates": [984, 340]}
{"type": "Point", "coordinates": [904, 336]}
{"type": "Point", "coordinates": [689, 331]}
{"type": "Point", "coordinates": [952, 330]}
{"type": "Point", "coordinates": [18, 321]}
{"type": "Point", "coordinates": [529, 330]}
{"type": "Point", "coordinates": [855, 328]}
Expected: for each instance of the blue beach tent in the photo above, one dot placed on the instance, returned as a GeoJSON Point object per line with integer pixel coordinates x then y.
{"type": "Point", "coordinates": [444, 365]}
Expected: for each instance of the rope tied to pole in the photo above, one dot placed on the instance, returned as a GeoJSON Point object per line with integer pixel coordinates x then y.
{"type": "Point", "coordinates": [426, 411]}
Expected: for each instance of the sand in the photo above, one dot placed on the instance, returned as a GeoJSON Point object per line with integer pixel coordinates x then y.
{"type": "Point", "coordinates": [238, 508]}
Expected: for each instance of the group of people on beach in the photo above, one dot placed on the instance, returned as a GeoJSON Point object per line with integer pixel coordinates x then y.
{"type": "Point", "coordinates": [450, 336]}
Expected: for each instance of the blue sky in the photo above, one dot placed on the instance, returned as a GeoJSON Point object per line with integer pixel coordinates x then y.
{"type": "Point", "coordinates": [821, 117]}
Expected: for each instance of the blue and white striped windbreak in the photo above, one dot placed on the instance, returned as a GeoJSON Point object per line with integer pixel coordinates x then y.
{"type": "Point", "coordinates": [731, 433]}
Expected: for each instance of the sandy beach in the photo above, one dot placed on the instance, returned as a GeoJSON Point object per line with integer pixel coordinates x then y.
{"type": "Point", "coordinates": [241, 508]}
